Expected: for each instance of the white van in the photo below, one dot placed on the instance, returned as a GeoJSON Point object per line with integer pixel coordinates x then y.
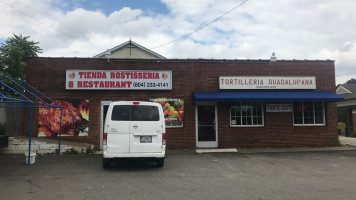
{"type": "Point", "coordinates": [134, 129]}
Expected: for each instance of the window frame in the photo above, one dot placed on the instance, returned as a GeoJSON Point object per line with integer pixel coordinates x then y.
{"type": "Point", "coordinates": [252, 116]}
{"type": "Point", "coordinates": [168, 126]}
{"type": "Point", "coordinates": [323, 110]}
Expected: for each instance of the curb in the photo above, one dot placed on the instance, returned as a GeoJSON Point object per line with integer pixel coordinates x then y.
{"type": "Point", "coordinates": [255, 150]}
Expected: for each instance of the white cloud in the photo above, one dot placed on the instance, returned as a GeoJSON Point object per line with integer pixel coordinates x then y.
{"type": "Point", "coordinates": [303, 29]}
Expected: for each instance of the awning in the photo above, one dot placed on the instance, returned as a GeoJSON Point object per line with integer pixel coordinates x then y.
{"type": "Point", "coordinates": [266, 96]}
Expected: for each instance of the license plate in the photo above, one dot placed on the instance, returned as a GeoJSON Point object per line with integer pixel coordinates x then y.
{"type": "Point", "coordinates": [146, 139]}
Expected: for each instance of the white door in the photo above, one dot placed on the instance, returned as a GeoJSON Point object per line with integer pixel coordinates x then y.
{"type": "Point", "coordinates": [146, 128]}
{"type": "Point", "coordinates": [118, 128]}
{"type": "Point", "coordinates": [104, 110]}
{"type": "Point", "coordinates": [206, 125]}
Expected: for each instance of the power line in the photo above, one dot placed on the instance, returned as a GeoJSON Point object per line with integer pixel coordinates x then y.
{"type": "Point", "coordinates": [74, 37]}
{"type": "Point", "coordinates": [54, 28]}
{"type": "Point", "coordinates": [27, 15]}
{"type": "Point", "coordinates": [75, 30]}
{"type": "Point", "coordinates": [201, 27]}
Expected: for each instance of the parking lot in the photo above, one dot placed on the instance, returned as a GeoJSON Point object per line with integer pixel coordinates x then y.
{"type": "Point", "coordinates": [303, 175]}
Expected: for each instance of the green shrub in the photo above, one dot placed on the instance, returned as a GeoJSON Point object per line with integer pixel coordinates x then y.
{"type": "Point", "coordinates": [89, 149]}
{"type": "Point", "coordinates": [341, 125]}
{"type": "Point", "coordinates": [71, 151]}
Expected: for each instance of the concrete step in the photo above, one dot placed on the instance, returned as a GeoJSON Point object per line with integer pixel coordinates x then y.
{"type": "Point", "coordinates": [20, 145]}
{"type": "Point", "coordinates": [231, 150]}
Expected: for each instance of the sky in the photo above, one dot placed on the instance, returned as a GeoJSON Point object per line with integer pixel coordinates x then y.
{"type": "Point", "coordinates": [248, 29]}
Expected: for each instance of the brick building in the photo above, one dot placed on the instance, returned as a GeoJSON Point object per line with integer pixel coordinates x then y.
{"type": "Point", "coordinates": [347, 108]}
{"type": "Point", "coordinates": [209, 103]}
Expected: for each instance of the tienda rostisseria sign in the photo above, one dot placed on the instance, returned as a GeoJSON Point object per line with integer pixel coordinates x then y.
{"type": "Point", "coordinates": [118, 80]}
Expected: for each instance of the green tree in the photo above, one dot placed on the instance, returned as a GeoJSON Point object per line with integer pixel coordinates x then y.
{"type": "Point", "coordinates": [14, 53]}
{"type": "Point", "coordinates": [351, 81]}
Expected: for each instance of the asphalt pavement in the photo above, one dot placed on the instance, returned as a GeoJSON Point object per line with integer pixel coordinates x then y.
{"type": "Point", "coordinates": [186, 175]}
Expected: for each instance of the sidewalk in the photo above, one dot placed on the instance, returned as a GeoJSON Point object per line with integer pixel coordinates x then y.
{"type": "Point", "coordinates": [347, 141]}
{"type": "Point", "coordinates": [41, 145]}
{"type": "Point", "coordinates": [283, 149]}
{"type": "Point", "coordinates": [294, 149]}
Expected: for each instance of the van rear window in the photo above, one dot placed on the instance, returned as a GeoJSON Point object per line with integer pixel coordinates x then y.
{"type": "Point", "coordinates": [144, 113]}
{"type": "Point", "coordinates": [121, 113]}
{"type": "Point", "coordinates": [135, 113]}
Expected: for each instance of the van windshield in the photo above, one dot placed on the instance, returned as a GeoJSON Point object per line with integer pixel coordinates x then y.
{"type": "Point", "coordinates": [135, 113]}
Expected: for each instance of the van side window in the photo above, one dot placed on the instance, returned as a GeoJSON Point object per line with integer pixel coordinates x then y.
{"type": "Point", "coordinates": [121, 113]}
{"type": "Point", "coordinates": [144, 113]}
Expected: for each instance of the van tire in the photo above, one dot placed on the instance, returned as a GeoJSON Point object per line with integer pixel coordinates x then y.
{"type": "Point", "coordinates": [160, 162]}
{"type": "Point", "coordinates": [106, 163]}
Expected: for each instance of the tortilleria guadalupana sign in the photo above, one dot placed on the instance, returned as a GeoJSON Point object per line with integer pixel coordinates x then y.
{"type": "Point", "coordinates": [266, 82]}
{"type": "Point", "coordinates": [118, 80]}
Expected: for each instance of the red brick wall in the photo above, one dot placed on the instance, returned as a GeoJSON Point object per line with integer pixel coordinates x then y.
{"type": "Point", "coordinates": [48, 76]}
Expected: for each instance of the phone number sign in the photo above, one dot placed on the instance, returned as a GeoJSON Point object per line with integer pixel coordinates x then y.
{"type": "Point", "coordinates": [118, 80]}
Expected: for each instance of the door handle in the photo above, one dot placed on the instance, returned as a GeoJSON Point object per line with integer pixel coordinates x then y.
{"type": "Point", "coordinates": [135, 127]}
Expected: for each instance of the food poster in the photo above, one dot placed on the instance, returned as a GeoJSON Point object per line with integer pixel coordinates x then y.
{"type": "Point", "coordinates": [75, 119]}
{"type": "Point", "coordinates": [173, 110]}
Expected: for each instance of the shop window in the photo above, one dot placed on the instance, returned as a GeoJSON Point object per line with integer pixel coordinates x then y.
{"type": "Point", "coordinates": [245, 114]}
{"type": "Point", "coordinates": [308, 113]}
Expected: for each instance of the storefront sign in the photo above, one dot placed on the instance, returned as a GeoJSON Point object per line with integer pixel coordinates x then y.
{"type": "Point", "coordinates": [173, 110]}
{"type": "Point", "coordinates": [118, 80]}
{"type": "Point", "coordinates": [265, 82]}
{"type": "Point", "coordinates": [279, 107]}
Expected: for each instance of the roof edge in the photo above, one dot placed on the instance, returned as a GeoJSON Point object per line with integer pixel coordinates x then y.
{"type": "Point", "coordinates": [134, 43]}
{"type": "Point", "coordinates": [186, 59]}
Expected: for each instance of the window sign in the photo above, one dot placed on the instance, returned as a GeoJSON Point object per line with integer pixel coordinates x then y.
{"type": "Point", "coordinates": [118, 80]}
{"type": "Point", "coordinates": [302, 107]}
{"type": "Point", "coordinates": [75, 119]}
{"type": "Point", "coordinates": [173, 110]}
{"type": "Point", "coordinates": [279, 107]}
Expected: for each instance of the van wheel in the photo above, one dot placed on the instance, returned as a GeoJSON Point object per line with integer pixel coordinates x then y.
{"type": "Point", "coordinates": [160, 162]}
{"type": "Point", "coordinates": [106, 163]}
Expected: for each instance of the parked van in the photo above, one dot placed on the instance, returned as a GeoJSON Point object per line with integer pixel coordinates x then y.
{"type": "Point", "coordinates": [134, 129]}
